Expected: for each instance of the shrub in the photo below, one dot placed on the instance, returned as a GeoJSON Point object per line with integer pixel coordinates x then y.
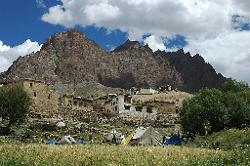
{"type": "Point", "coordinates": [14, 105]}
{"type": "Point", "coordinates": [212, 110]}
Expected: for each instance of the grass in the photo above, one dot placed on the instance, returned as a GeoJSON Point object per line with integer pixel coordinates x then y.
{"type": "Point", "coordinates": [230, 139]}
{"type": "Point", "coordinates": [39, 154]}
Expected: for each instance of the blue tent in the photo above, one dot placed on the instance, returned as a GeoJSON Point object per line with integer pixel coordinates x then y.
{"type": "Point", "coordinates": [173, 140]}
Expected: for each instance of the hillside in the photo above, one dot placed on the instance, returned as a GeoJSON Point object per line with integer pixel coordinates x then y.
{"type": "Point", "coordinates": [70, 57]}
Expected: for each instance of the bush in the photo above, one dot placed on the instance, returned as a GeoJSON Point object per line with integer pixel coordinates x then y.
{"type": "Point", "coordinates": [212, 110]}
{"type": "Point", "coordinates": [14, 105]}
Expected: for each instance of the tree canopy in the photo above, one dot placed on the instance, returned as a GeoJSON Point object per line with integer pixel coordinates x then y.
{"type": "Point", "coordinates": [14, 105]}
{"type": "Point", "coordinates": [212, 110]}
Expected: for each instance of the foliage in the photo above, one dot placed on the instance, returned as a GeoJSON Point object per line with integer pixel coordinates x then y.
{"type": "Point", "coordinates": [14, 105]}
{"type": "Point", "coordinates": [212, 110]}
{"type": "Point", "coordinates": [36, 154]}
{"type": "Point", "coordinates": [229, 139]}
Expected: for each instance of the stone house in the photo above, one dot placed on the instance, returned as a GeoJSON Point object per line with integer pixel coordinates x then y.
{"type": "Point", "coordinates": [150, 105]}
{"type": "Point", "coordinates": [126, 107]}
{"type": "Point", "coordinates": [76, 103]}
{"type": "Point", "coordinates": [110, 104]}
{"type": "Point", "coordinates": [45, 100]}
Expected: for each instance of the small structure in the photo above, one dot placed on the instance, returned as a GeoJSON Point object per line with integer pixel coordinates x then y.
{"type": "Point", "coordinates": [146, 136]}
{"type": "Point", "coordinates": [76, 103]}
{"type": "Point", "coordinates": [109, 104]}
{"type": "Point", "coordinates": [60, 124]}
{"type": "Point", "coordinates": [114, 137]}
{"type": "Point", "coordinates": [148, 105]}
{"type": "Point", "coordinates": [147, 91]}
{"type": "Point", "coordinates": [45, 100]}
{"type": "Point", "coordinates": [173, 140]}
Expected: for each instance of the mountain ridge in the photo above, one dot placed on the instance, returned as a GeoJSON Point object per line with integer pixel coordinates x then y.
{"type": "Point", "coordinates": [71, 57]}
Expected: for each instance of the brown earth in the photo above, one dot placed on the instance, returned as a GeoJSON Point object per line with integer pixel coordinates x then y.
{"type": "Point", "coordinates": [71, 58]}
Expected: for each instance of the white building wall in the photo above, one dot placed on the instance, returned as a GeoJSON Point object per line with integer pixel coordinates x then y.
{"type": "Point", "coordinates": [148, 91]}
{"type": "Point", "coordinates": [132, 111]}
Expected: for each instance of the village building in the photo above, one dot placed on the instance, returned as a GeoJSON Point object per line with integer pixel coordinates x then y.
{"type": "Point", "coordinates": [72, 102]}
{"type": "Point", "coordinates": [149, 103]}
{"type": "Point", "coordinates": [45, 100]}
{"type": "Point", "coordinates": [139, 103]}
{"type": "Point", "coordinates": [110, 105]}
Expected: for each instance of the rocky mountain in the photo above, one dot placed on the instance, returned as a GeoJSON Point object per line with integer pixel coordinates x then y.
{"type": "Point", "coordinates": [70, 57]}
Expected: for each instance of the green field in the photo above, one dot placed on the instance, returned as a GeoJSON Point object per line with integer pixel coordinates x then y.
{"type": "Point", "coordinates": [38, 154]}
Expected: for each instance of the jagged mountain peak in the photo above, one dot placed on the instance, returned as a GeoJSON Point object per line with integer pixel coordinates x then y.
{"type": "Point", "coordinates": [71, 38]}
{"type": "Point", "coordinates": [128, 45]}
{"type": "Point", "coordinates": [73, 58]}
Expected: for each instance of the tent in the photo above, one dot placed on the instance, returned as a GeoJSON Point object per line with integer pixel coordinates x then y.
{"type": "Point", "coordinates": [146, 136]}
{"type": "Point", "coordinates": [60, 124]}
{"type": "Point", "coordinates": [119, 137]}
{"type": "Point", "coordinates": [173, 140]}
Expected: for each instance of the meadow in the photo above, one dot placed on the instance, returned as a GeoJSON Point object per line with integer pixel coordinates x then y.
{"type": "Point", "coordinates": [102, 155]}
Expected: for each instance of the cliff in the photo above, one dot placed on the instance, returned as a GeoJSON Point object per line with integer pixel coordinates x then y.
{"type": "Point", "coordinates": [70, 57]}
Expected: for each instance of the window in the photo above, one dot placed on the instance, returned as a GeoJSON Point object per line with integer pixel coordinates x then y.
{"type": "Point", "coordinates": [31, 84]}
{"type": "Point", "coordinates": [139, 109]}
{"type": "Point", "coordinates": [149, 110]}
{"type": "Point", "coordinates": [34, 94]}
{"type": "Point", "coordinates": [127, 107]}
{"type": "Point", "coordinates": [49, 96]}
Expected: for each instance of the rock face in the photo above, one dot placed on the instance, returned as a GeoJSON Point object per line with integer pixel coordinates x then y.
{"type": "Point", "coordinates": [71, 57]}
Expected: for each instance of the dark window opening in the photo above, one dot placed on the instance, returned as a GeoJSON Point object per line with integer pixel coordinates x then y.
{"type": "Point", "coordinates": [34, 94]}
{"type": "Point", "coordinates": [31, 84]}
{"type": "Point", "coordinates": [149, 110]}
{"type": "Point", "coordinates": [49, 96]}
{"type": "Point", "coordinates": [139, 109]}
{"type": "Point", "coordinates": [127, 107]}
{"type": "Point", "coordinates": [127, 99]}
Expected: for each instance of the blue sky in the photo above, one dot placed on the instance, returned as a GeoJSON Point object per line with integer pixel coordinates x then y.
{"type": "Point", "coordinates": [218, 30]}
{"type": "Point", "coordinates": [22, 21]}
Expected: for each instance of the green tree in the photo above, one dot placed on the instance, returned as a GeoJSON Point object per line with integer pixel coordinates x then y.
{"type": "Point", "coordinates": [205, 113]}
{"type": "Point", "coordinates": [14, 105]}
{"type": "Point", "coordinates": [212, 110]}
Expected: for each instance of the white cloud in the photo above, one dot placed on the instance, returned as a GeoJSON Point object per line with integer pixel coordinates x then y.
{"type": "Point", "coordinates": [229, 53]}
{"type": "Point", "coordinates": [9, 54]}
{"type": "Point", "coordinates": [207, 25]}
{"type": "Point", "coordinates": [158, 17]}
{"type": "Point", "coordinates": [101, 12]}
{"type": "Point", "coordinates": [40, 4]}
{"type": "Point", "coordinates": [155, 43]}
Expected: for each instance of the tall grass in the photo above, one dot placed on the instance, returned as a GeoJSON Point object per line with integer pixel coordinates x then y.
{"type": "Point", "coordinates": [37, 154]}
{"type": "Point", "coordinates": [230, 139]}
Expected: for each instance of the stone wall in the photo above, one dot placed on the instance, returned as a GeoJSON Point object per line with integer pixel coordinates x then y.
{"type": "Point", "coordinates": [45, 101]}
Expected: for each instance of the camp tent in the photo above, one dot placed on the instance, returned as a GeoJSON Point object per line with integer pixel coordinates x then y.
{"type": "Point", "coordinates": [146, 136]}
{"type": "Point", "coordinates": [118, 135]}
{"type": "Point", "coordinates": [173, 140]}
